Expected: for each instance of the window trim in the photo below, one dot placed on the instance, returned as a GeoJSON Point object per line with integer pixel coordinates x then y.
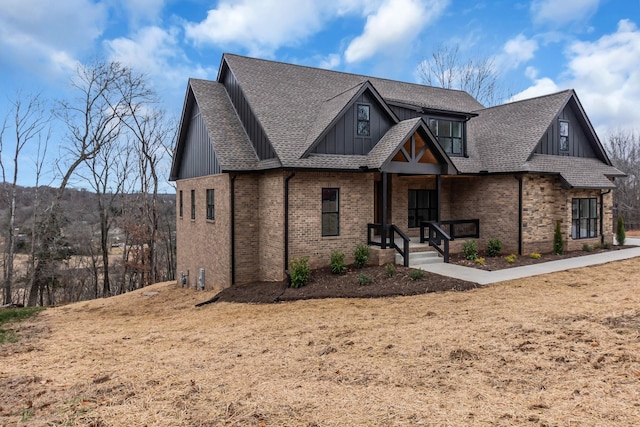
{"type": "Point", "coordinates": [193, 205]}
{"type": "Point", "coordinates": [431, 209]}
{"type": "Point", "coordinates": [358, 120]}
{"type": "Point", "coordinates": [591, 221]}
{"type": "Point", "coordinates": [181, 209]}
{"type": "Point", "coordinates": [561, 136]}
{"type": "Point", "coordinates": [326, 233]}
{"type": "Point", "coordinates": [211, 214]}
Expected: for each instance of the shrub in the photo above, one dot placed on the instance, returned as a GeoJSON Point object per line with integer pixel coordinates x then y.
{"type": "Point", "coordinates": [606, 245]}
{"type": "Point", "coordinates": [470, 249]}
{"type": "Point", "coordinates": [300, 271]}
{"type": "Point", "coordinates": [587, 248]}
{"type": "Point", "coordinates": [361, 255]}
{"type": "Point", "coordinates": [621, 236]}
{"type": "Point", "coordinates": [494, 247]}
{"type": "Point", "coordinates": [363, 279]}
{"type": "Point", "coordinates": [390, 269]}
{"type": "Point", "coordinates": [558, 241]}
{"type": "Point", "coordinates": [535, 255]}
{"type": "Point", "coordinates": [511, 258]}
{"type": "Point", "coordinates": [337, 262]}
{"type": "Point", "coordinates": [480, 261]}
{"type": "Point", "coordinates": [416, 274]}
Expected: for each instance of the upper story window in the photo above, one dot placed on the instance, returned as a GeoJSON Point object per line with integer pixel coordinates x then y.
{"type": "Point", "coordinates": [193, 204]}
{"type": "Point", "coordinates": [181, 204]}
{"type": "Point", "coordinates": [364, 120]}
{"type": "Point", "coordinates": [564, 135]}
{"type": "Point", "coordinates": [210, 205]}
{"type": "Point", "coordinates": [449, 134]}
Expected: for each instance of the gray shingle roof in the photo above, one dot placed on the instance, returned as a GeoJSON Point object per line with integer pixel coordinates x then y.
{"type": "Point", "coordinates": [577, 172]}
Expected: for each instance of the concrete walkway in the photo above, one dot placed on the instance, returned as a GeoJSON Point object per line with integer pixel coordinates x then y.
{"type": "Point", "coordinates": [484, 277]}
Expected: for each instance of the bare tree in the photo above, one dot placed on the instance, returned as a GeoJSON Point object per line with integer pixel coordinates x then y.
{"type": "Point", "coordinates": [624, 150]}
{"type": "Point", "coordinates": [29, 121]}
{"type": "Point", "coordinates": [477, 76]}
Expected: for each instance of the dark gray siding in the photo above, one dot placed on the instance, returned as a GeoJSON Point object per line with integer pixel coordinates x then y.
{"type": "Point", "coordinates": [405, 113]}
{"type": "Point", "coordinates": [579, 143]}
{"type": "Point", "coordinates": [254, 130]}
{"type": "Point", "coordinates": [199, 157]}
{"type": "Point", "coordinates": [342, 138]}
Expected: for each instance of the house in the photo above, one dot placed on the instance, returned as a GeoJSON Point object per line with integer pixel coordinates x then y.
{"type": "Point", "coordinates": [275, 161]}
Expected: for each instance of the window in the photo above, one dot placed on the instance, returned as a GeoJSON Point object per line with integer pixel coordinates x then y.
{"type": "Point", "coordinates": [181, 204]}
{"type": "Point", "coordinates": [193, 204]}
{"type": "Point", "coordinates": [330, 211]}
{"type": "Point", "coordinates": [584, 218]}
{"type": "Point", "coordinates": [423, 206]}
{"type": "Point", "coordinates": [449, 134]}
{"type": "Point", "coordinates": [564, 135]}
{"type": "Point", "coordinates": [364, 121]}
{"type": "Point", "coordinates": [210, 210]}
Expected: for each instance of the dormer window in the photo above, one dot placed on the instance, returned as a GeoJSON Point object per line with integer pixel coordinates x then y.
{"type": "Point", "coordinates": [364, 121]}
{"type": "Point", "coordinates": [564, 135]}
{"type": "Point", "coordinates": [449, 134]}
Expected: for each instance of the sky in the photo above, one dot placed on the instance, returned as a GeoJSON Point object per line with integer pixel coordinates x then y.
{"type": "Point", "coordinates": [537, 46]}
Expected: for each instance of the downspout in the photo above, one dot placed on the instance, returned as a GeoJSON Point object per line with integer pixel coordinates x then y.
{"type": "Point", "coordinates": [520, 202]}
{"type": "Point", "coordinates": [233, 229]}
{"type": "Point", "coordinates": [602, 215]}
{"type": "Point", "coordinates": [286, 225]}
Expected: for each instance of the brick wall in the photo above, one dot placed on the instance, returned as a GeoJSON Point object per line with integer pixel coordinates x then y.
{"type": "Point", "coordinates": [202, 243]}
{"type": "Point", "coordinates": [271, 226]}
{"type": "Point", "coordinates": [305, 201]}
{"type": "Point", "coordinates": [247, 228]}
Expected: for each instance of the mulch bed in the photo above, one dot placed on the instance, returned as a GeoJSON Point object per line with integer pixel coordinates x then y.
{"type": "Point", "coordinates": [324, 284]}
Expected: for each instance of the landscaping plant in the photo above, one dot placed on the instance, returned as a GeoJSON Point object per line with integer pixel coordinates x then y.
{"type": "Point", "coordinates": [300, 272]}
{"type": "Point", "coordinates": [511, 258]}
{"type": "Point", "coordinates": [363, 279]}
{"type": "Point", "coordinates": [416, 274]}
{"type": "Point", "coordinates": [338, 265]}
{"type": "Point", "coordinates": [361, 255]}
{"type": "Point", "coordinates": [621, 236]}
{"type": "Point", "coordinates": [494, 247]}
{"type": "Point", "coordinates": [390, 269]}
{"type": "Point", "coordinates": [470, 249]}
{"type": "Point", "coordinates": [558, 241]}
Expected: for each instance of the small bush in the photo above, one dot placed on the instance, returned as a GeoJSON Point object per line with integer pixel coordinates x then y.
{"type": "Point", "coordinates": [621, 236]}
{"type": "Point", "coordinates": [300, 272]}
{"type": "Point", "coordinates": [363, 279]}
{"type": "Point", "coordinates": [535, 255]}
{"type": "Point", "coordinates": [558, 241]}
{"type": "Point", "coordinates": [361, 255]}
{"type": "Point", "coordinates": [337, 262]}
{"type": "Point", "coordinates": [587, 248]}
{"type": "Point", "coordinates": [470, 249]}
{"type": "Point", "coordinates": [494, 247]}
{"type": "Point", "coordinates": [390, 269]}
{"type": "Point", "coordinates": [416, 274]}
{"type": "Point", "coordinates": [606, 245]}
{"type": "Point", "coordinates": [511, 258]}
{"type": "Point", "coordinates": [480, 261]}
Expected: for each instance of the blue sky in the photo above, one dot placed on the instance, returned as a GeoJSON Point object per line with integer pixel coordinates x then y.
{"type": "Point", "coordinates": [538, 46]}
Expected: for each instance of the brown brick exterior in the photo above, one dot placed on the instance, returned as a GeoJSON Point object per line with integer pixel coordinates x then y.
{"type": "Point", "coordinates": [202, 243]}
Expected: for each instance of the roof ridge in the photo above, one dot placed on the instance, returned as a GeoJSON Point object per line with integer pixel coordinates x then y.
{"type": "Point", "coordinates": [366, 77]}
{"type": "Point", "coordinates": [525, 100]}
{"type": "Point", "coordinates": [347, 90]}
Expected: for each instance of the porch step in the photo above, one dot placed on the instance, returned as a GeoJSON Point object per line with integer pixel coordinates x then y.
{"type": "Point", "coordinates": [420, 258]}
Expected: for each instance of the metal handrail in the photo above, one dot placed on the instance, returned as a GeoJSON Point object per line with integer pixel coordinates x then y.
{"type": "Point", "coordinates": [391, 230]}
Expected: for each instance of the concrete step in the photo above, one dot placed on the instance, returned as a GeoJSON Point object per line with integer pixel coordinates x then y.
{"type": "Point", "coordinates": [419, 258]}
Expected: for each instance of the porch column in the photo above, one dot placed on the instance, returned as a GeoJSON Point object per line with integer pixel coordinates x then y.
{"type": "Point", "coordinates": [383, 232]}
{"type": "Point", "coordinates": [439, 197]}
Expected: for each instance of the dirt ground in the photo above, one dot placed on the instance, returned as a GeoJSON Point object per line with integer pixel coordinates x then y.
{"type": "Point", "coordinates": [555, 350]}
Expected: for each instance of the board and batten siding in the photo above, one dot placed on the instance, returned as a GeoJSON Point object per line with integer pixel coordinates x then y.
{"type": "Point", "coordinates": [199, 158]}
{"type": "Point", "coordinates": [579, 143]}
{"type": "Point", "coordinates": [256, 133]}
{"type": "Point", "coordinates": [342, 137]}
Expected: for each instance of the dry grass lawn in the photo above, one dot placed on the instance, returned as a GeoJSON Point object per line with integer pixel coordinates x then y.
{"type": "Point", "coordinates": [555, 350]}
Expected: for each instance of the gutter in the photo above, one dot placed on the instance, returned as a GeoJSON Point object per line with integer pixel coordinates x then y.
{"type": "Point", "coordinates": [233, 229]}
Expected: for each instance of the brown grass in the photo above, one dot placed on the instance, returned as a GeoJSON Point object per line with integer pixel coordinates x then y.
{"type": "Point", "coordinates": [560, 349]}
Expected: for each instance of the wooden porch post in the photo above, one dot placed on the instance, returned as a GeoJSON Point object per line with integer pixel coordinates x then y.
{"type": "Point", "coordinates": [383, 232]}
{"type": "Point", "coordinates": [439, 196]}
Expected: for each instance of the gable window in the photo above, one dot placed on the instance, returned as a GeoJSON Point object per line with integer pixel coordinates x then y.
{"type": "Point", "coordinates": [449, 134]}
{"type": "Point", "coordinates": [564, 135]}
{"type": "Point", "coordinates": [330, 211]}
{"type": "Point", "coordinates": [193, 204]}
{"type": "Point", "coordinates": [584, 218]}
{"type": "Point", "coordinates": [364, 120]}
{"type": "Point", "coordinates": [423, 206]}
{"type": "Point", "coordinates": [181, 205]}
{"type": "Point", "coordinates": [210, 208]}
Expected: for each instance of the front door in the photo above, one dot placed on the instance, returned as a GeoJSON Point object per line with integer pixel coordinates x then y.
{"type": "Point", "coordinates": [423, 206]}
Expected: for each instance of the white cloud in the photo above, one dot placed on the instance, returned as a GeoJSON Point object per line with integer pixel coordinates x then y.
{"type": "Point", "coordinates": [543, 86]}
{"type": "Point", "coordinates": [50, 33]}
{"type": "Point", "coordinates": [557, 13]}
{"type": "Point", "coordinates": [395, 24]}
{"type": "Point", "coordinates": [330, 61]}
{"type": "Point", "coordinates": [261, 26]}
{"type": "Point", "coordinates": [520, 49]}
{"type": "Point", "coordinates": [156, 52]}
{"type": "Point", "coordinates": [143, 11]}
